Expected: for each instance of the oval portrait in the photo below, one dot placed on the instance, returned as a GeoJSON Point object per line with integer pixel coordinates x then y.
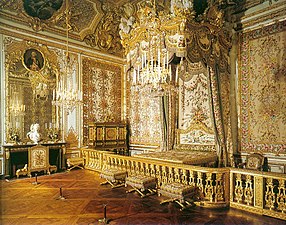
{"type": "Point", "coordinates": [33, 59]}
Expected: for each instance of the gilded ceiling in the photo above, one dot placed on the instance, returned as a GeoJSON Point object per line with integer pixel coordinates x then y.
{"type": "Point", "coordinates": [95, 23]}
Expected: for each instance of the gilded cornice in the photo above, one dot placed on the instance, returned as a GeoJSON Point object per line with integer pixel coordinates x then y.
{"type": "Point", "coordinates": [258, 20]}
{"type": "Point", "coordinates": [42, 38]}
{"type": "Point", "coordinates": [266, 9]}
{"type": "Point", "coordinates": [90, 22]}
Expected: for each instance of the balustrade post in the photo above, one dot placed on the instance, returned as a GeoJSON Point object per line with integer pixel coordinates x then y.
{"type": "Point", "coordinates": [258, 192]}
{"type": "Point", "coordinates": [281, 196]}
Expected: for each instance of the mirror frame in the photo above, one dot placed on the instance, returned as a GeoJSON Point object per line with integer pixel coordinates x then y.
{"type": "Point", "coordinates": [16, 55]}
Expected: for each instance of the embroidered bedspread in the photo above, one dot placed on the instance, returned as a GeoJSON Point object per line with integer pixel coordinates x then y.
{"type": "Point", "coordinates": [185, 157]}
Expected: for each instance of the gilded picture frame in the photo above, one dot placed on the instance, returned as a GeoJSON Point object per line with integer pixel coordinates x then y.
{"type": "Point", "coordinates": [33, 60]}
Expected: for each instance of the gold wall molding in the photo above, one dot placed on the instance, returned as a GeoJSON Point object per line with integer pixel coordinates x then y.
{"type": "Point", "coordinates": [266, 9]}
{"type": "Point", "coordinates": [41, 38]}
{"type": "Point", "coordinates": [253, 23]}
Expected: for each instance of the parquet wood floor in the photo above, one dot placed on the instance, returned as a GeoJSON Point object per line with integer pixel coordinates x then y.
{"type": "Point", "coordinates": [25, 203]}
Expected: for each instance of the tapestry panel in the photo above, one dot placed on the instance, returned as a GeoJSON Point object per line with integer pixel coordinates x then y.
{"type": "Point", "coordinates": [263, 89]}
{"type": "Point", "coordinates": [145, 118]}
{"type": "Point", "coordinates": [102, 84]}
{"type": "Point", "coordinates": [195, 123]}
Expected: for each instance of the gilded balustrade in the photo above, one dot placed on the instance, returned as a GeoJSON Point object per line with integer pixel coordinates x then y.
{"type": "Point", "coordinates": [210, 181]}
{"type": "Point", "coordinates": [254, 191]}
{"type": "Point", "coordinates": [259, 192]}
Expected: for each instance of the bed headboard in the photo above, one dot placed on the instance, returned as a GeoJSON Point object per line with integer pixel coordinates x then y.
{"type": "Point", "coordinates": [197, 137]}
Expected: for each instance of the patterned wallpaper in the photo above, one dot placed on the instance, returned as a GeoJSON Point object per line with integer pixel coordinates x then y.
{"type": "Point", "coordinates": [263, 89]}
{"type": "Point", "coordinates": [145, 118]}
{"type": "Point", "coordinates": [102, 88]}
{"type": "Point", "coordinates": [195, 123]}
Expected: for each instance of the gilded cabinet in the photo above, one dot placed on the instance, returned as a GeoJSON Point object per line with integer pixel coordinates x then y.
{"type": "Point", "coordinates": [108, 136]}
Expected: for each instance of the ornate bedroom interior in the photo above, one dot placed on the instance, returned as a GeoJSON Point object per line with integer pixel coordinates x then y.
{"type": "Point", "coordinates": [188, 94]}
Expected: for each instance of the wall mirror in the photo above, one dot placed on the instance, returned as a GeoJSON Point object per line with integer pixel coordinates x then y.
{"type": "Point", "coordinates": [31, 75]}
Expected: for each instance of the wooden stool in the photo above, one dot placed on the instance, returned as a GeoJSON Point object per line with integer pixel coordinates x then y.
{"type": "Point", "coordinates": [141, 183]}
{"type": "Point", "coordinates": [113, 177]}
{"type": "Point", "coordinates": [75, 162]}
{"type": "Point", "coordinates": [181, 194]}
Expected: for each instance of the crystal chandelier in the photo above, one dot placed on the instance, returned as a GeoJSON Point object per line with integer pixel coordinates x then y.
{"type": "Point", "coordinates": [16, 105]}
{"type": "Point", "coordinates": [152, 43]}
{"type": "Point", "coordinates": [65, 95]}
{"type": "Point", "coordinates": [17, 109]}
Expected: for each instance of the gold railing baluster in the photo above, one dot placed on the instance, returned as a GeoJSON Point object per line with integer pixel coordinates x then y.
{"type": "Point", "coordinates": [219, 187]}
{"type": "Point", "coordinates": [159, 175]}
{"type": "Point", "coordinates": [171, 175]}
{"type": "Point", "coordinates": [200, 182]}
{"type": "Point", "coordinates": [209, 190]}
{"type": "Point", "coordinates": [164, 175]}
{"type": "Point", "coordinates": [153, 172]}
{"type": "Point", "coordinates": [281, 196]}
{"type": "Point", "coordinates": [248, 190]}
{"type": "Point", "coordinates": [192, 181]}
{"type": "Point", "coordinates": [238, 191]}
{"type": "Point", "coordinates": [269, 194]}
{"type": "Point", "coordinates": [177, 175]}
{"type": "Point", "coordinates": [185, 176]}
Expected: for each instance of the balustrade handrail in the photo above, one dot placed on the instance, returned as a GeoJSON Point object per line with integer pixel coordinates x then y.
{"type": "Point", "coordinates": [266, 174]}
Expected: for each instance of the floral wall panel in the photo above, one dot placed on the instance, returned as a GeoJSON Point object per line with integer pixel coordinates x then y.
{"type": "Point", "coordinates": [263, 89]}
{"type": "Point", "coordinates": [145, 118]}
{"type": "Point", "coordinates": [194, 122]}
{"type": "Point", "coordinates": [102, 84]}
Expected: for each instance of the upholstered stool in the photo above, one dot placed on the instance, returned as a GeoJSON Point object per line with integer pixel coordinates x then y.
{"type": "Point", "coordinates": [75, 162]}
{"type": "Point", "coordinates": [113, 177]}
{"type": "Point", "coordinates": [178, 193]}
{"type": "Point", "coordinates": [141, 184]}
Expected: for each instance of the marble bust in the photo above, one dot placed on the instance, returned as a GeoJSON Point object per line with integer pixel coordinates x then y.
{"type": "Point", "coordinates": [34, 134]}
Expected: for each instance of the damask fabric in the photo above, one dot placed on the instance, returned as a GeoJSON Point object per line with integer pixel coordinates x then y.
{"type": "Point", "coordinates": [141, 182]}
{"type": "Point", "coordinates": [113, 175]}
{"type": "Point", "coordinates": [177, 191]}
{"type": "Point", "coordinates": [184, 157]}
